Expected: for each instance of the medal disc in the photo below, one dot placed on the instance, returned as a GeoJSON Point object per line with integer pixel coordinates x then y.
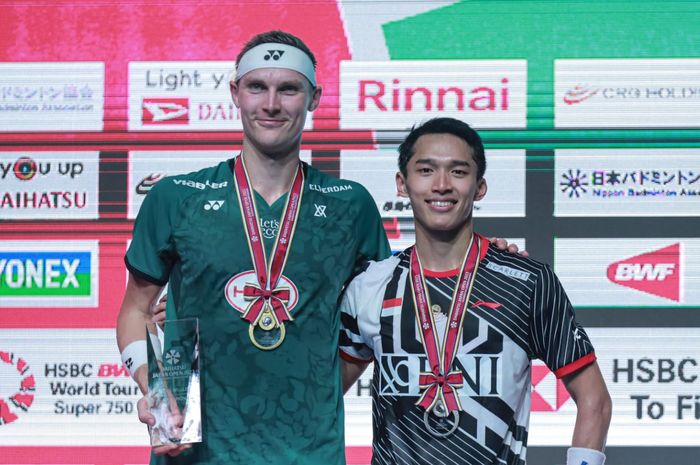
{"type": "Point", "coordinates": [441, 426]}
{"type": "Point", "coordinates": [266, 339]}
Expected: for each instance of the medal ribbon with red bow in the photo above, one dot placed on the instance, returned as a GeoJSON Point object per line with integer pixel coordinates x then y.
{"type": "Point", "coordinates": [265, 291]}
{"type": "Point", "coordinates": [436, 385]}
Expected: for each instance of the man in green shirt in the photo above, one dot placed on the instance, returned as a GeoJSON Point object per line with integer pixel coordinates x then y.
{"type": "Point", "coordinates": [275, 399]}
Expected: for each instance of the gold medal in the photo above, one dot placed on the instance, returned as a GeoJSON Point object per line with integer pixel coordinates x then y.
{"type": "Point", "coordinates": [266, 334]}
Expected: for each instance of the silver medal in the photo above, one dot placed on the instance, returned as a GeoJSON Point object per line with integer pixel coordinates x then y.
{"type": "Point", "coordinates": [439, 422]}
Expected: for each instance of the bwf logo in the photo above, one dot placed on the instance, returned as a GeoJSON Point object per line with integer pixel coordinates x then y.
{"type": "Point", "coordinates": [656, 272]}
{"type": "Point", "coordinates": [274, 55]}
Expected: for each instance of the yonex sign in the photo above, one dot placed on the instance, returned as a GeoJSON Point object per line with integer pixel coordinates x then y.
{"type": "Point", "coordinates": [48, 273]}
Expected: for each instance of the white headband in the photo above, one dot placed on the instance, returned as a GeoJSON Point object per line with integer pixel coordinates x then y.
{"type": "Point", "coordinates": [273, 55]}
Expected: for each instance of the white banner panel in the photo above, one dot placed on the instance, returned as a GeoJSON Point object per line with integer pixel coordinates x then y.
{"type": "Point", "coordinates": [49, 185]}
{"type": "Point", "coordinates": [148, 167]}
{"type": "Point", "coordinates": [629, 271]}
{"type": "Point", "coordinates": [53, 274]}
{"type": "Point", "coordinates": [627, 93]}
{"type": "Point", "coordinates": [66, 387]}
{"type": "Point", "coordinates": [52, 96]}
{"type": "Point", "coordinates": [652, 375]}
{"type": "Point", "coordinates": [376, 170]}
{"type": "Point", "coordinates": [398, 93]}
{"type": "Point", "coordinates": [183, 96]}
{"type": "Point", "coordinates": [627, 182]}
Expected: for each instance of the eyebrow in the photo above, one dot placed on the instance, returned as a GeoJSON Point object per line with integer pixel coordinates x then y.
{"type": "Point", "coordinates": [431, 162]}
{"type": "Point", "coordinates": [287, 83]}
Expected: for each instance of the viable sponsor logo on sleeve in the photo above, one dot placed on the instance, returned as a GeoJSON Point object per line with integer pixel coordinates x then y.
{"type": "Point", "coordinates": [395, 94]}
{"type": "Point", "coordinates": [183, 96]}
{"type": "Point", "coordinates": [48, 274]}
{"type": "Point", "coordinates": [629, 272]}
{"type": "Point", "coordinates": [49, 185]}
{"type": "Point", "coordinates": [627, 182]}
{"type": "Point", "coordinates": [376, 170]}
{"type": "Point", "coordinates": [51, 96]}
{"type": "Point", "coordinates": [627, 93]}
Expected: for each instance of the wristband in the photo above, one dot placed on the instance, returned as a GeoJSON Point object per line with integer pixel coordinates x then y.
{"type": "Point", "coordinates": [583, 456]}
{"type": "Point", "coordinates": [134, 355]}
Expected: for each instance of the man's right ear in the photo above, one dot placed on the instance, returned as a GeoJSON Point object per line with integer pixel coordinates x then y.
{"type": "Point", "coordinates": [401, 189]}
{"type": "Point", "coordinates": [233, 88]}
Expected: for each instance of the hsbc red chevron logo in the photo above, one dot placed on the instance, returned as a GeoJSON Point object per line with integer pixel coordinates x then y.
{"type": "Point", "coordinates": [548, 392]}
{"type": "Point", "coordinates": [657, 272]}
{"type": "Point", "coordinates": [23, 396]}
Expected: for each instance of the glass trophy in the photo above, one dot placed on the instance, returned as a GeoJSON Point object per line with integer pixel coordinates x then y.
{"type": "Point", "coordinates": [173, 382]}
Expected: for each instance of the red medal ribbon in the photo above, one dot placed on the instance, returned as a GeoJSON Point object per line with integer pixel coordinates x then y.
{"type": "Point", "coordinates": [265, 291]}
{"type": "Point", "coordinates": [435, 384]}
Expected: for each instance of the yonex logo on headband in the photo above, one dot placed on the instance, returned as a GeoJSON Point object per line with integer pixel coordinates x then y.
{"type": "Point", "coordinates": [274, 54]}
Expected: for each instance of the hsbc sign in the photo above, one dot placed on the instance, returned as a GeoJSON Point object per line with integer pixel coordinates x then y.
{"type": "Point", "coordinates": [622, 272]}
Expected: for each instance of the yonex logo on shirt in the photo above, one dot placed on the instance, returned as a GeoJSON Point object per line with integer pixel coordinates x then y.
{"type": "Point", "coordinates": [213, 204]}
{"type": "Point", "coordinates": [508, 271]}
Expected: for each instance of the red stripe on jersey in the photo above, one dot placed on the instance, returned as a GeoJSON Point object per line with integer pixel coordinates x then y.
{"type": "Point", "coordinates": [349, 358]}
{"type": "Point", "coordinates": [575, 365]}
{"type": "Point", "coordinates": [440, 274]}
{"type": "Point", "coordinates": [392, 302]}
{"type": "Point", "coordinates": [481, 303]}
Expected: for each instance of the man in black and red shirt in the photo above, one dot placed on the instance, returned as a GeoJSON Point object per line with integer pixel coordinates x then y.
{"type": "Point", "coordinates": [453, 324]}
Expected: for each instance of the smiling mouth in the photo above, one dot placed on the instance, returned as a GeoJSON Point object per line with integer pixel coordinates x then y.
{"type": "Point", "coordinates": [270, 122]}
{"type": "Point", "coordinates": [441, 203]}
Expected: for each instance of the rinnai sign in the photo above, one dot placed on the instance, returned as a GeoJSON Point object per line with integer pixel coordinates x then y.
{"type": "Point", "coordinates": [629, 272]}
{"type": "Point", "coordinates": [627, 93]}
{"type": "Point", "coordinates": [183, 96]}
{"type": "Point", "coordinates": [52, 96]}
{"type": "Point", "coordinates": [49, 185]}
{"type": "Point", "coordinates": [376, 170]}
{"type": "Point", "coordinates": [49, 274]}
{"type": "Point", "coordinates": [627, 182]}
{"type": "Point", "coordinates": [61, 396]}
{"type": "Point", "coordinates": [396, 94]}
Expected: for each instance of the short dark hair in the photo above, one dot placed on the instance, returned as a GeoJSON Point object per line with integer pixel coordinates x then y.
{"type": "Point", "coordinates": [276, 37]}
{"type": "Point", "coordinates": [444, 126]}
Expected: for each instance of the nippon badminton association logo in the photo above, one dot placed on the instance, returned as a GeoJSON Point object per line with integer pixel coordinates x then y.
{"type": "Point", "coordinates": [579, 93]}
{"type": "Point", "coordinates": [17, 388]}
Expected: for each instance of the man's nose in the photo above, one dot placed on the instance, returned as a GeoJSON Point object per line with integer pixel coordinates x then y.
{"type": "Point", "coordinates": [441, 181]}
{"type": "Point", "coordinates": [272, 103]}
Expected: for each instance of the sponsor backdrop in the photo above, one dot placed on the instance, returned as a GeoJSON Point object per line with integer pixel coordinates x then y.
{"type": "Point", "coordinates": [593, 147]}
